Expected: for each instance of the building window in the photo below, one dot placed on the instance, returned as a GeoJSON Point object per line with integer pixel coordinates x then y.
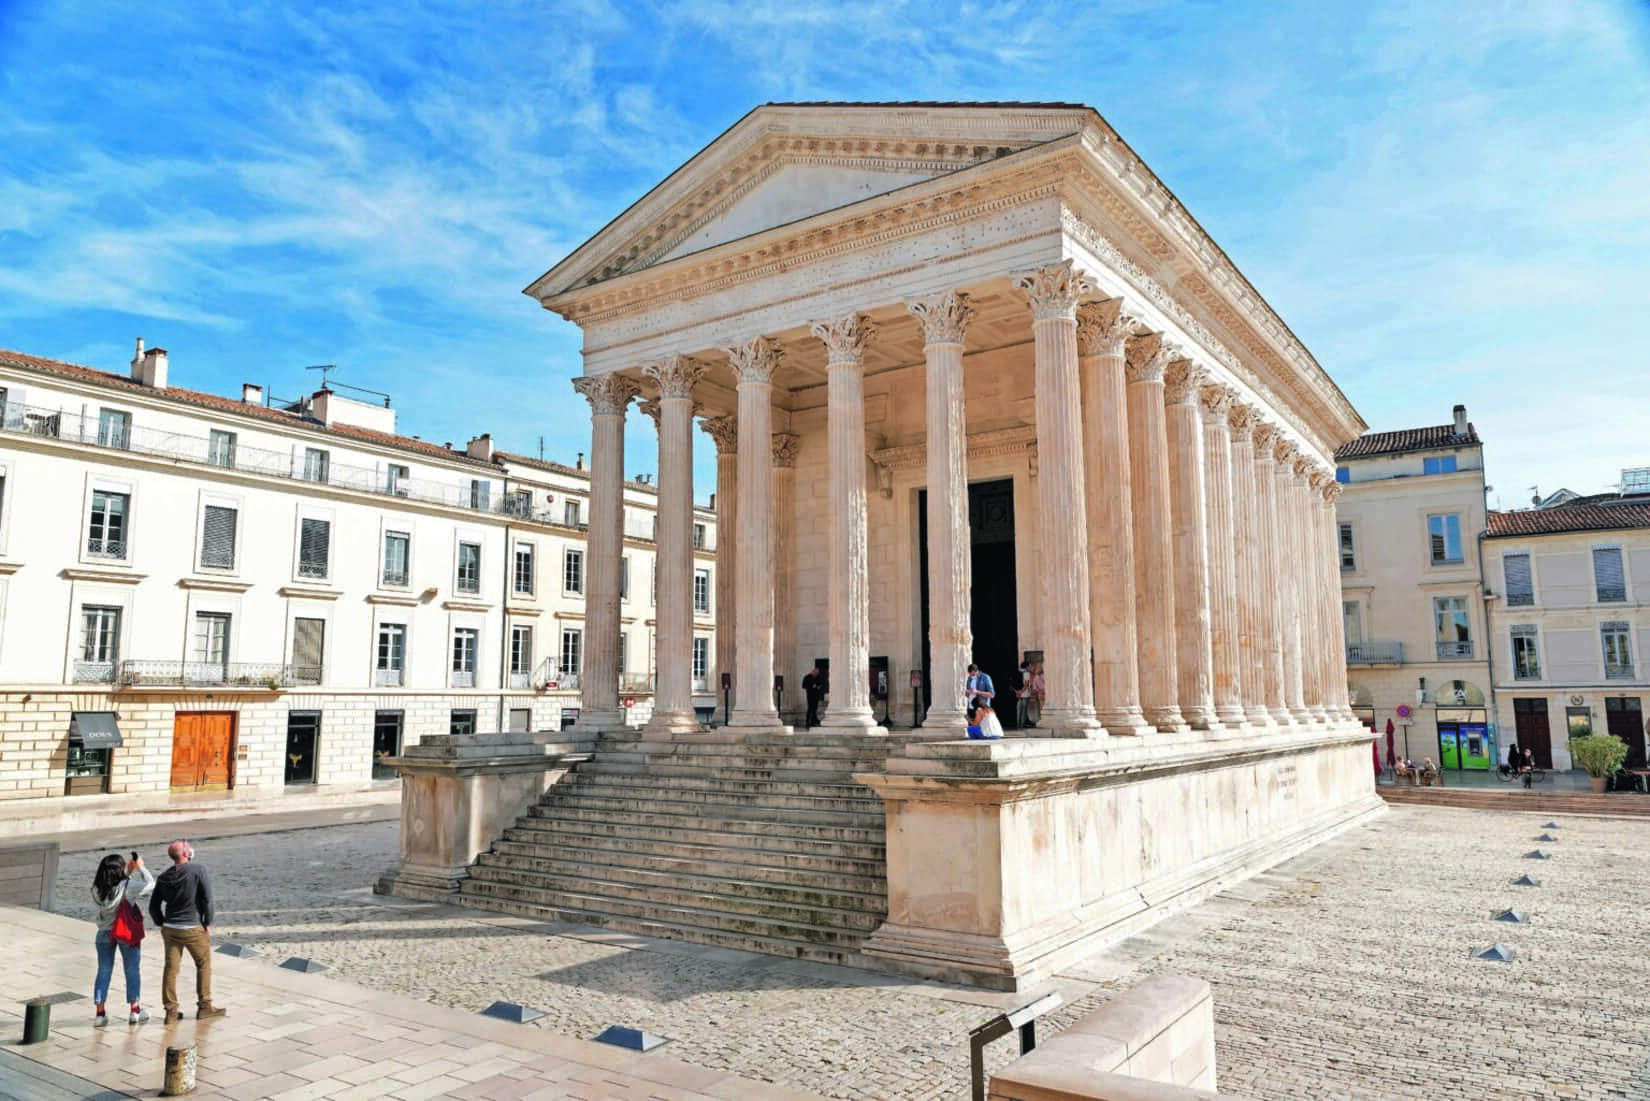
{"type": "Point", "coordinates": [114, 429]}
{"type": "Point", "coordinates": [1444, 537]}
{"type": "Point", "coordinates": [624, 578]}
{"type": "Point", "coordinates": [1526, 662]}
{"type": "Point", "coordinates": [1454, 632]}
{"type": "Point", "coordinates": [1618, 651]}
{"type": "Point", "coordinates": [464, 656]}
{"type": "Point", "coordinates": [397, 546]}
{"type": "Point", "coordinates": [1608, 578]}
{"type": "Point", "coordinates": [314, 547]}
{"type": "Point", "coordinates": [461, 722]}
{"type": "Point", "coordinates": [572, 643]}
{"type": "Point", "coordinates": [99, 644]}
{"type": "Point", "coordinates": [524, 569]}
{"type": "Point", "coordinates": [396, 478]}
{"type": "Point", "coordinates": [701, 657]}
{"type": "Point", "coordinates": [1438, 464]}
{"type": "Point", "coordinates": [316, 463]}
{"type": "Point", "coordinates": [392, 653]}
{"type": "Point", "coordinates": [1343, 474]}
{"type": "Point", "coordinates": [1519, 582]}
{"type": "Point", "coordinates": [220, 448]}
{"type": "Point", "coordinates": [521, 718]}
{"type": "Point", "coordinates": [218, 538]}
{"type": "Point", "coordinates": [698, 537]}
{"type": "Point", "coordinates": [701, 591]}
{"type": "Point", "coordinates": [480, 493]}
{"type": "Point", "coordinates": [572, 571]}
{"type": "Point", "coordinates": [308, 649]}
{"type": "Point", "coordinates": [386, 742]}
{"type": "Point", "coordinates": [1349, 554]}
{"type": "Point", "coordinates": [1352, 622]}
{"type": "Point", "coordinates": [469, 568]}
{"type": "Point", "coordinates": [570, 511]}
{"type": "Point", "coordinates": [521, 656]}
{"type": "Point", "coordinates": [106, 533]}
{"type": "Point", "coordinates": [303, 745]}
{"type": "Point", "coordinates": [624, 652]}
{"type": "Point", "coordinates": [212, 646]}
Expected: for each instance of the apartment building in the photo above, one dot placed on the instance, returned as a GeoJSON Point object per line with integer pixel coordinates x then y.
{"type": "Point", "coordinates": [1570, 620]}
{"type": "Point", "coordinates": [199, 592]}
{"type": "Point", "coordinates": [1409, 519]}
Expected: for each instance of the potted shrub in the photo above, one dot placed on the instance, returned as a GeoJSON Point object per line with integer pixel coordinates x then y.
{"type": "Point", "coordinates": [1600, 755]}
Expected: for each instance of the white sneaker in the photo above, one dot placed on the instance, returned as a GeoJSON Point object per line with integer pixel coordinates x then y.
{"type": "Point", "coordinates": [101, 1021]}
{"type": "Point", "coordinates": [139, 1016]}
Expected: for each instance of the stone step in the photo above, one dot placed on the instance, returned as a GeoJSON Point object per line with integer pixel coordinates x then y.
{"type": "Point", "coordinates": [742, 788]}
{"type": "Point", "coordinates": [574, 906]}
{"type": "Point", "coordinates": [675, 770]}
{"type": "Point", "coordinates": [730, 866]}
{"type": "Point", "coordinates": [650, 851]}
{"type": "Point", "coordinates": [861, 842]}
{"type": "Point", "coordinates": [845, 765]}
{"type": "Point", "coordinates": [1515, 797]}
{"type": "Point", "coordinates": [719, 809]}
{"type": "Point", "coordinates": [793, 903]}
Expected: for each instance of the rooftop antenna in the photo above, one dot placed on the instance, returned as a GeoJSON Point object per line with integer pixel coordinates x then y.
{"type": "Point", "coordinates": [541, 449]}
{"type": "Point", "coordinates": [325, 369]}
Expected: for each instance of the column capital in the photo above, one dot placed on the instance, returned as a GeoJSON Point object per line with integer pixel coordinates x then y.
{"type": "Point", "coordinates": [845, 339]}
{"type": "Point", "coordinates": [755, 360]}
{"type": "Point", "coordinates": [1332, 493]}
{"type": "Point", "coordinates": [1103, 327]}
{"type": "Point", "coordinates": [1265, 435]}
{"type": "Point", "coordinates": [1146, 355]}
{"type": "Point", "coordinates": [652, 408]}
{"type": "Point", "coordinates": [1302, 465]}
{"type": "Point", "coordinates": [1317, 477]}
{"type": "Point", "coordinates": [1181, 380]}
{"type": "Point", "coordinates": [676, 375]}
{"type": "Point", "coordinates": [1218, 400]}
{"type": "Point", "coordinates": [1053, 292]}
{"type": "Point", "coordinates": [725, 431]}
{"type": "Point", "coordinates": [607, 393]}
{"type": "Point", "coordinates": [1284, 451]}
{"type": "Point", "coordinates": [784, 445]}
{"type": "Point", "coordinates": [1240, 420]}
{"type": "Point", "coordinates": [944, 317]}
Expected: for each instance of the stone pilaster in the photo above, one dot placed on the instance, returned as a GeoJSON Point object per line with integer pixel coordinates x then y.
{"type": "Point", "coordinates": [1338, 701]}
{"type": "Point", "coordinates": [608, 395]}
{"type": "Point", "coordinates": [753, 365]}
{"type": "Point", "coordinates": [1271, 563]}
{"type": "Point", "coordinates": [944, 319]}
{"type": "Point", "coordinates": [673, 560]}
{"type": "Point", "coordinates": [848, 585]}
{"type": "Point", "coordinates": [1250, 562]}
{"type": "Point", "coordinates": [1315, 649]}
{"type": "Point", "coordinates": [724, 432]}
{"type": "Point", "coordinates": [1219, 500]}
{"type": "Point", "coordinates": [786, 662]}
{"type": "Point", "coordinates": [1147, 355]}
{"type": "Point", "coordinates": [1194, 647]}
{"type": "Point", "coordinates": [1062, 508]}
{"type": "Point", "coordinates": [1102, 331]}
{"type": "Point", "coordinates": [1290, 596]}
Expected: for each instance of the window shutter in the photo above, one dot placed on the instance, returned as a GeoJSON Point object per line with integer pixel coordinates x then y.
{"type": "Point", "coordinates": [1607, 574]}
{"type": "Point", "coordinates": [308, 647]}
{"type": "Point", "coordinates": [313, 546]}
{"type": "Point", "coordinates": [218, 537]}
{"type": "Point", "coordinates": [1520, 589]}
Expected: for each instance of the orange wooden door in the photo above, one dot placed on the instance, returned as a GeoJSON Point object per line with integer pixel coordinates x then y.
{"type": "Point", "coordinates": [217, 741]}
{"type": "Point", "coordinates": [185, 750]}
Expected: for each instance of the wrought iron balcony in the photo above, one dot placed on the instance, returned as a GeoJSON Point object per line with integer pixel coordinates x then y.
{"type": "Point", "coordinates": [1461, 648]}
{"type": "Point", "coordinates": [521, 680]}
{"type": "Point", "coordinates": [387, 678]}
{"type": "Point", "coordinates": [106, 548]}
{"type": "Point", "coordinates": [462, 678]}
{"type": "Point", "coordinates": [94, 672]}
{"type": "Point", "coordinates": [1374, 653]}
{"type": "Point", "coordinates": [206, 674]}
{"type": "Point", "coordinates": [635, 682]}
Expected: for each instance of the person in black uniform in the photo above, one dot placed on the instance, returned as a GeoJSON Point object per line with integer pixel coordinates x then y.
{"type": "Point", "coordinates": [813, 687]}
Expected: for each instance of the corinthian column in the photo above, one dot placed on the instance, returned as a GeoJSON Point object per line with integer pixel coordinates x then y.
{"type": "Point", "coordinates": [1194, 657]}
{"type": "Point", "coordinates": [1271, 563]}
{"type": "Point", "coordinates": [1340, 706]}
{"type": "Point", "coordinates": [1146, 356]}
{"type": "Point", "coordinates": [1315, 649]}
{"type": "Point", "coordinates": [1251, 563]}
{"type": "Point", "coordinates": [1102, 330]}
{"type": "Point", "coordinates": [753, 364]}
{"type": "Point", "coordinates": [848, 584]}
{"type": "Point", "coordinates": [673, 564]}
{"type": "Point", "coordinates": [944, 318]}
{"type": "Point", "coordinates": [1287, 534]}
{"type": "Point", "coordinates": [724, 431]}
{"type": "Point", "coordinates": [1062, 508]}
{"type": "Point", "coordinates": [1225, 632]}
{"type": "Point", "coordinates": [782, 447]}
{"type": "Point", "coordinates": [599, 679]}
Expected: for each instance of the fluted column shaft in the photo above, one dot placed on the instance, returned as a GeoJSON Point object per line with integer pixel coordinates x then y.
{"type": "Point", "coordinates": [725, 432]}
{"type": "Point", "coordinates": [1102, 330]}
{"type": "Point", "coordinates": [1290, 554]}
{"type": "Point", "coordinates": [1271, 562]}
{"type": "Point", "coordinates": [1194, 648]}
{"type": "Point", "coordinates": [1312, 642]}
{"type": "Point", "coordinates": [753, 707]}
{"type": "Point", "coordinates": [1340, 706]}
{"type": "Point", "coordinates": [1062, 508]}
{"type": "Point", "coordinates": [944, 319]}
{"type": "Point", "coordinates": [1225, 631]}
{"type": "Point", "coordinates": [1250, 563]}
{"type": "Point", "coordinates": [673, 561]}
{"type": "Point", "coordinates": [783, 449]}
{"type": "Point", "coordinates": [1154, 603]}
{"type": "Point", "coordinates": [608, 395]}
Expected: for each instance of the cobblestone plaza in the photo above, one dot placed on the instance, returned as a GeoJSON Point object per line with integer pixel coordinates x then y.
{"type": "Point", "coordinates": [1343, 973]}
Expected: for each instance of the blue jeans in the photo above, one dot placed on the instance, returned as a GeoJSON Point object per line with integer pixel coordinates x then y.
{"type": "Point", "coordinates": [129, 954]}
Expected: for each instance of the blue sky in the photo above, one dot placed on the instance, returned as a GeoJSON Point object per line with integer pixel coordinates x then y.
{"type": "Point", "coordinates": [1448, 202]}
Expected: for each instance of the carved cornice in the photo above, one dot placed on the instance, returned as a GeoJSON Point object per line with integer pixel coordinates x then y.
{"type": "Point", "coordinates": [1054, 291]}
{"type": "Point", "coordinates": [607, 394]}
{"type": "Point", "coordinates": [1145, 357]}
{"type": "Point", "coordinates": [944, 317]}
{"type": "Point", "coordinates": [676, 376]}
{"type": "Point", "coordinates": [784, 447]}
{"type": "Point", "coordinates": [1020, 440]}
{"type": "Point", "coordinates": [725, 432]}
{"type": "Point", "coordinates": [1218, 400]}
{"type": "Point", "coordinates": [755, 361]}
{"type": "Point", "coordinates": [214, 584]}
{"type": "Point", "coordinates": [107, 577]}
{"type": "Point", "coordinates": [845, 339]}
{"type": "Point", "coordinates": [1181, 379]}
{"type": "Point", "coordinates": [1103, 328]}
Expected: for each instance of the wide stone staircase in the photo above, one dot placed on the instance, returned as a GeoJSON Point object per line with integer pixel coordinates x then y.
{"type": "Point", "coordinates": [759, 842]}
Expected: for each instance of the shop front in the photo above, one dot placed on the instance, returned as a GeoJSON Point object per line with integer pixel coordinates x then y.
{"type": "Point", "coordinates": [93, 738]}
{"type": "Point", "coordinates": [1463, 728]}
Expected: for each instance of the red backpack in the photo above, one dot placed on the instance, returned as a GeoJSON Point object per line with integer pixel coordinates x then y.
{"type": "Point", "coordinates": [128, 924]}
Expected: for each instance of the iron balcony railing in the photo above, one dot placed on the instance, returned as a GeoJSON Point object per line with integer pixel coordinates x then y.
{"type": "Point", "coordinates": [106, 548]}
{"type": "Point", "coordinates": [462, 678]}
{"type": "Point", "coordinates": [387, 678]}
{"type": "Point", "coordinates": [94, 672]}
{"type": "Point", "coordinates": [214, 674]}
{"type": "Point", "coordinates": [1458, 649]}
{"type": "Point", "coordinates": [1374, 653]}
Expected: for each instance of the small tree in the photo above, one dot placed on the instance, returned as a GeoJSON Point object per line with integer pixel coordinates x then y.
{"type": "Point", "coordinates": [1599, 754]}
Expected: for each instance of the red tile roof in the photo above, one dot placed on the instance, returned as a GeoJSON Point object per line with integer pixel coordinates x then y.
{"type": "Point", "coordinates": [928, 103]}
{"type": "Point", "coordinates": [1433, 438]}
{"type": "Point", "coordinates": [1630, 512]}
{"type": "Point", "coordinates": [227, 405]}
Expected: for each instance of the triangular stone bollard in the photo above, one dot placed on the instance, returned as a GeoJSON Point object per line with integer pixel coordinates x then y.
{"type": "Point", "coordinates": [510, 1011]}
{"type": "Point", "coordinates": [1526, 881]}
{"type": "Point", "coordinates": [632, 1038]}
{"type": "Point", "coordinates": [229, 948]}
{"type": "Point", "coordinates": [1495, 953]}
{"type": "Point", "coordinates": [1550, 826]}
{"type": "Point", "coordinates": [1513, 916]}
{"type": "Point", "coordinates": [307, 966]}
{"type": "Point", "coordinates": [1537, 854]}
{"type": "Point", "coordinates": [1546, 837]}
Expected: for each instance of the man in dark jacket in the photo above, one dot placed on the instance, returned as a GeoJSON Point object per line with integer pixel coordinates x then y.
{"type": "Point", "coordinates": [182, 908]}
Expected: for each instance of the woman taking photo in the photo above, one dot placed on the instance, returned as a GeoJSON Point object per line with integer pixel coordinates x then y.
{"type": "Point", "coordinates": [117, 881]}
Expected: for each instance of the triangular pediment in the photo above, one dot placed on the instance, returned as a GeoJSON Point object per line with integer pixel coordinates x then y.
{"type": "Point", "coordinates": [786, 162]}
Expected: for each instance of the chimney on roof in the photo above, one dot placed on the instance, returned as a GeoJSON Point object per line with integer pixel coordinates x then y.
{"type": "Point", "coordinates": [1461, 425]}
{"type": "Point", "coordinates": [252, 393]}
{"type": "Point", "coordinates": [149, 367]}
{"type": "Point", "coordinates": [481, 447]}
{"type": "Point", "coordinates": [580, 464]}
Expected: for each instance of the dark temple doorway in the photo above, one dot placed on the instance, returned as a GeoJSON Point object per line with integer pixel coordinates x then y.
{"type": "Point", "coordinates": [993, 603]}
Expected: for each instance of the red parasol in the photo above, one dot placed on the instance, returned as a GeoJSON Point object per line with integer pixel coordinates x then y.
{"type": "Point", "coordinates": [1391, 754]}
{"type": "Point", "coordinates": [1375, 752]}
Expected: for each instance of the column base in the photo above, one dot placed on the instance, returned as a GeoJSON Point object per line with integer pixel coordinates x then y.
{"type": "Point", "coordinates": [1123, 721]}
{"type": "Point", "coordinates": [851, 720]}
{"type": "Point", "coordinates": [1200, 718]}
{"type": "Point", "coordinates": [1230, 715]}
{"type": "Point", "coordinates": [672, 722]}
{"type": "Point", "coordinates": [766, 722]}
{"type": "Point", "coordinates": [1258, 716]}
{"type": "Point", "coordinates": [601, 722]}
{"type": "Point", "coordinates": [1077, 722]}
{"type": "Point", "coordinates": [1167, 720]}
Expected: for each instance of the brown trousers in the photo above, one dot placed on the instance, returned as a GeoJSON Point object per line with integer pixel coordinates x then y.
{"type": "Point", "coordinates": [198, 943]}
